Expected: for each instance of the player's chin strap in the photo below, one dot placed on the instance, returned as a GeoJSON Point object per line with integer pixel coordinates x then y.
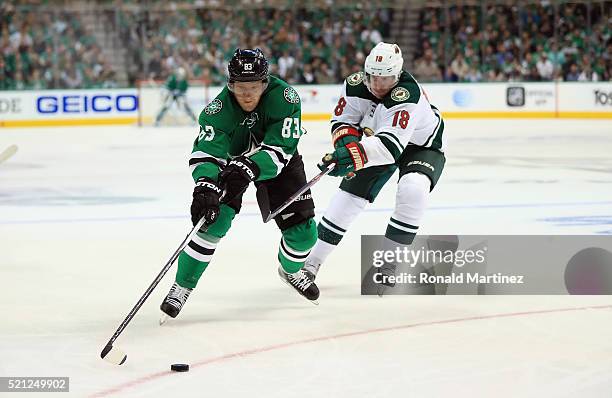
{"type": "Point", "coordinates": [298, 193]}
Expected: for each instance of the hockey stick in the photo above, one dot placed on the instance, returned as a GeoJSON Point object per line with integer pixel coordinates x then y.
{"type": "Point", "coordinates": [300, 191]}
{"type": "Point", "coordinates": [8, 153]}
{"type": "Point", "coordinates": [114, 354]}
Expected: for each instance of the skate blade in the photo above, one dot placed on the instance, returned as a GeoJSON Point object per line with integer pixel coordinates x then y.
{"type": "Point", "coordinates": [314, 302]}
{"type": "Point", "coordinates": [164, 318]}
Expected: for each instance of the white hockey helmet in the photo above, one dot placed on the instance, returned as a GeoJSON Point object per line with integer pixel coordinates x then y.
{"type": "Point", "coordinates": [181, 73]}
{"type": "Point", "coordinates": [385, 59]}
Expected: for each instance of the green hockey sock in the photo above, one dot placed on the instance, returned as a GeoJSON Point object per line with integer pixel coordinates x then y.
{"type": "Point", "coordinates": [196, 256]}
{"type": "Point", "coordinates": [295, 245]}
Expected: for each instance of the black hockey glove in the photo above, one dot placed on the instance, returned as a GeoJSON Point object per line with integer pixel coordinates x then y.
{"type": "Point", "coordinates": [237, 175]}
{"type": "Point", "coordinates": [205, 203]}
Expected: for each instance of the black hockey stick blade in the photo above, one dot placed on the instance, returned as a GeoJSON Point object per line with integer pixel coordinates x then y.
{"type": "Point", "coordinates": [264, 202]}
{"type": "Point", "coordinates": [300, 191]}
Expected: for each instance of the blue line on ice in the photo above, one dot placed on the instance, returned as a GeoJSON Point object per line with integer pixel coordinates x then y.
{"type": "Point", "coordinates": [256, 214]}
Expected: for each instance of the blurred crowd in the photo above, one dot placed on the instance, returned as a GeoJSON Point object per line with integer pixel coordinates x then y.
{"type": "Point", "coordinates": [304, 46]}
{"type": "Point", "coordinates": [512, 42]}
{"type": "Point", "coordinates": [51, 47]}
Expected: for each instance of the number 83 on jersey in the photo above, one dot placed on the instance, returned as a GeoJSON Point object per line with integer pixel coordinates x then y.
{"type": "Point", "coordinates": [292, 128]}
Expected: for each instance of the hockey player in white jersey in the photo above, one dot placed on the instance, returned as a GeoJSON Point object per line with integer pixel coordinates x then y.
{"type": "Point", "coordinates": [383, 122]}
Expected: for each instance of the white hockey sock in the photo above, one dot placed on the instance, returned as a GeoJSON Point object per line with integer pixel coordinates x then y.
{"type": "Point", "coordinates": [343, 209]}
{"type": "Point", "coordinates": [410, 203]}
{"type": "Point", "coordinates": [318, 254]}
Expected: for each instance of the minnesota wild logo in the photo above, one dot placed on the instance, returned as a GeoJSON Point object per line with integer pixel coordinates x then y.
{"type": "Point", "coordinates": [291, 95]}
{"type": "Point", "coordinates": [355, 78]}
{"type": "Point", "coordinates": [214, 107]}
{"type": "Point", "coordinates": [400, 94]}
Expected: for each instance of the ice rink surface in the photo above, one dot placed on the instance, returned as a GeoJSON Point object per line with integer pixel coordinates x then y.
{"type": "Point", "coordinates": [88, 216]}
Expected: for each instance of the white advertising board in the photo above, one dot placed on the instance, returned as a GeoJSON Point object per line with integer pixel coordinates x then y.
{"type": "Point", "coordinates": [586, 97]}
{"type": "Point", "coordinates": [461, 100]}
{"type": "Point", "coordinates": [482, 98]}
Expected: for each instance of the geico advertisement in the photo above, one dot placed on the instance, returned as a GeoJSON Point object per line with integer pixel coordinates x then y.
{"type": "Point", "coordinates": [77, 104]}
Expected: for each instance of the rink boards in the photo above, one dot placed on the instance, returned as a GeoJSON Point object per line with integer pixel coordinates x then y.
{"type": "Point", "coordinates": [456, 100]}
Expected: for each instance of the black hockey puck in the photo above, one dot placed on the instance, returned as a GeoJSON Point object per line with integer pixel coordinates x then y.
{"type": "Point", "coordinates": [179, 367]}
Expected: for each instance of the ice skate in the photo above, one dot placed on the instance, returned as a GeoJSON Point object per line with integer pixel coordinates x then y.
{"type": "Point", "coordinates": [386, 271]}
{"type": "Point", "coordinates": [174, 301]}
{"type": "Point", "coordinates": [303, 284]}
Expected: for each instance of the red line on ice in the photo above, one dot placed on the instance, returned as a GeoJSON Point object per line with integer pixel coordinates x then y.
{"type": "Point", "coordinates": [158, 375]}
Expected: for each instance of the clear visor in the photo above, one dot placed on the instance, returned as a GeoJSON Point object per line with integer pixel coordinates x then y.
{"type": "Point", "coordinates": [380, 83]}
{"type": "Point", "coordinates": [247, 88]}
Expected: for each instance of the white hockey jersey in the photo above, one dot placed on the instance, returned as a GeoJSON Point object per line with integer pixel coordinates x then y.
{"type": "Point", "coordinates": [403, 118]}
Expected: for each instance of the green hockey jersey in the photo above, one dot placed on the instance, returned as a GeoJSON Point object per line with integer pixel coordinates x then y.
{"type": "Point", "coordinates": [268, 135]}
{"type": "Point", "coordinates": [173, 84]}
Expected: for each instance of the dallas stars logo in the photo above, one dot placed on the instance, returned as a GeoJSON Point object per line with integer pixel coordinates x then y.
{"type": "Point", "coordinates": [291, 95]}
{"type": "Point", "coordinates": [355, 78]}
{"type": "Point", "coordinates": [214, 107]}
{"type": "Point", "coordinates": [400, 94]}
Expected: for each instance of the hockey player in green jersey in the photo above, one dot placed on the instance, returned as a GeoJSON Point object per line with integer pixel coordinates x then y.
{"type": "Point", "coordinates": [248, 133]}
{"type": "Point", "coordinates": [383, 122]}
{"type": "Point", "coordinates": [176, 92]}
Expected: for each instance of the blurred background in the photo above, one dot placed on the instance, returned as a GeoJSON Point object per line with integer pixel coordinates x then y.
{"type": "Point", "coordinates": [89, 212]}
{"type": "Point", "coordinates": [106, 44]}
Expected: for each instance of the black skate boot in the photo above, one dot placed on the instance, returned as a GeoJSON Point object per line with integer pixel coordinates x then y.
{"type": "Point", "coordinates": [174, 301]}
{"type": "Point", "coordinates": [302, 283]}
